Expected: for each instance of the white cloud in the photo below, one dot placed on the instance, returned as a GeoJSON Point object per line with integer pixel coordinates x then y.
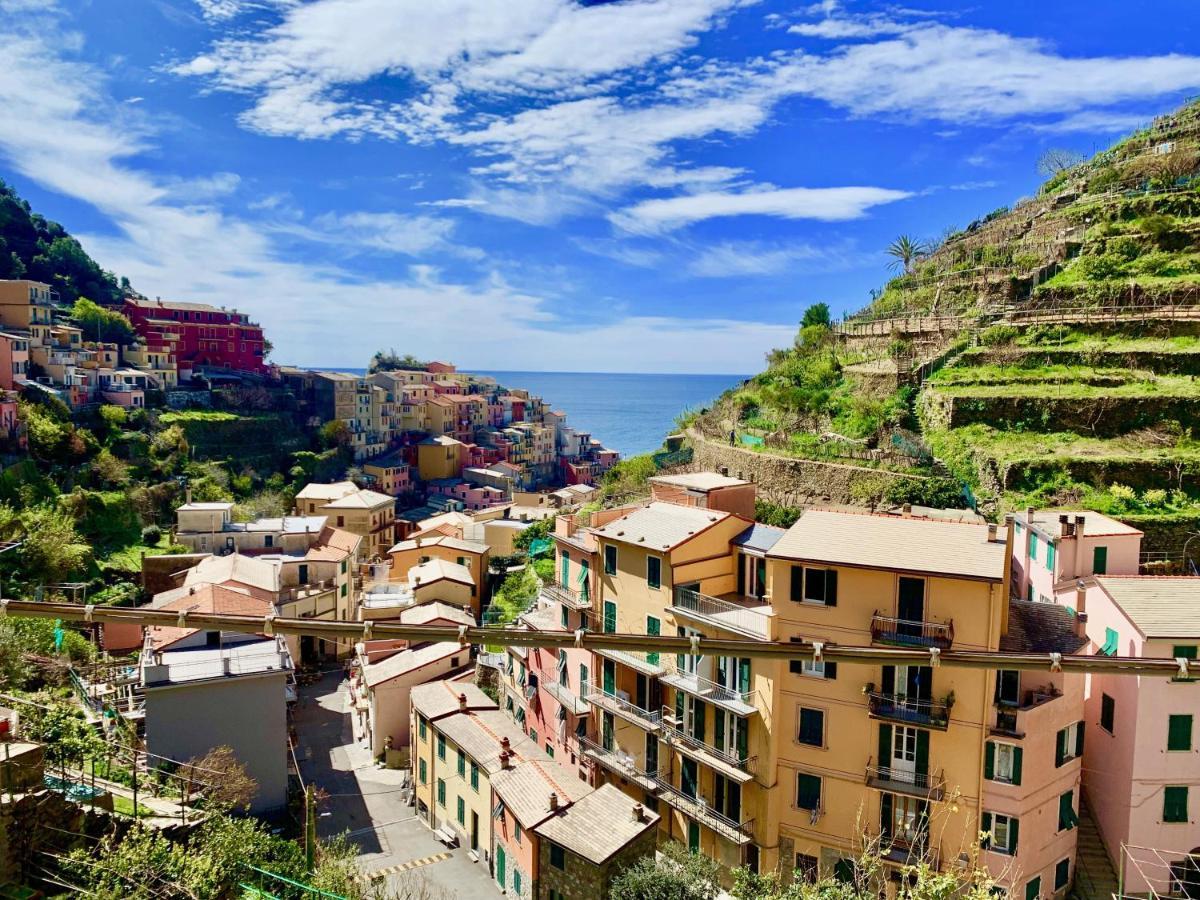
{"type": "Point", "coordinates": [454, 203]}
{"type": "Point", "coordinates": [822, 204]}
{"type": "Point", "coordinates": [739, 259]}
{"type": "Point", "coordinates": [388, 232]}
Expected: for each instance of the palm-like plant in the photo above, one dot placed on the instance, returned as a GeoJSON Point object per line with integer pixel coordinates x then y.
{"type": "Point", "coordinates": [905, 251]}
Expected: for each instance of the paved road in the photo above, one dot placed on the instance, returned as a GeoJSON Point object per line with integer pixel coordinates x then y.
{"type": "Point", "coordinates": [365, 800]}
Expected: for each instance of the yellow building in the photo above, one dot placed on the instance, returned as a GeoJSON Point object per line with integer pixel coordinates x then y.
{"type": "Point", "coordinates": [440, 457]}
{"type": "Point", "coordinates": [471, 555]}
{"type": "Point", "coordinates": [367, 513]}
{"type": "Point", "coordinates": [27, 306]}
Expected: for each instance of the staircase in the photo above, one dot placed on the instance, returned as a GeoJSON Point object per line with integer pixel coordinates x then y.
{"type": "Point", "coordinates": [1095, 878]}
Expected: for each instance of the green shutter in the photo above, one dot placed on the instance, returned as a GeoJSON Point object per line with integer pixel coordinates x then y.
{"type": "Point", "coordinates": [1079, 739]}
{"type": "Point", "coordinates": [1016, 765]}
{"type": "Point", "coordinates": [679, 707]}
{"type": "Point", "coordinates": [985, 825]}
{"type": "Point", "coordinates": [1014, 829]}
{"type": "Point", "coordinates": [1179, 732]}
{"type": "Point", "coordinates": [989, 760]}
{"type": "Point", "coordinates": [610, 617]}
{"type": "Point", "coordinates": [1033, 888]}
{"type": "Point", "coordinates": [885, 814]}
{"type": "Point", "coordinates": [1060, 748]}
{"type": "Point", "coordinates": [797, 584]}
{"type": "Point", "coordinates": [831, 670]}
{"type": "Point", "coordinates": [1175, 803]}
{"type": "Point", "coordinates": [652, 628]}
{"type": "Point", "coordinates": [719, 729]}
{"type": "Point", "coordinates": [885, 745]}
{"type": "Point", "coordinates": [831, 587]}
{"type": "Point", "coordinates": [744, 673]}
{"type": "Point", "coordinates": [1099, 560]}
{"type": "Point", "coordinates": [1050, 557]}
{"type": "Point", "coordinates": [698, 708]}
{"type": "Point", "coordinates": [922, 752]}
{"type": "Point", "coordinates": [1066, 811]}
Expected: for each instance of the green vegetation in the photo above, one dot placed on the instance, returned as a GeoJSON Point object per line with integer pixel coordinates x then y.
{"type": "Point", "coordinates": [101, 324]}
{"type": "Point", "coordinates": [391, 361]}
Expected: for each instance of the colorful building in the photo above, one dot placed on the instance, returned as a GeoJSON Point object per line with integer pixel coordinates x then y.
{"type": "Point", "coordinates": [197, 334]}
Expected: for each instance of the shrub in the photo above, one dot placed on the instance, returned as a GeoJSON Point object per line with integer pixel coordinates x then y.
{"type": "Point", "coordinates": [1127, 248]}
{"type": "Point", "coordinates": [999, 335]}
{"type": "Point", "coordinates": [1100, 266]}
{"type": "Point", "coordinates": [1123, 493]}
{"type": "Point", "coordinates": [151, 535]}
{"type": "Point", "coordinates": [1155, 497]}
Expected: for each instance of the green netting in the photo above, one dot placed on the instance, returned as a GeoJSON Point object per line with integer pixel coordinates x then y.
{"type": "Point", "coordinates": [540, 546]}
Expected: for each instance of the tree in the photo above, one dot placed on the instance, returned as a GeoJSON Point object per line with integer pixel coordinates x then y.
{"type": "Point", "coordinates": [223, 780]}
{"type": "Point", "coordinates": [817, 314]}
{"type": "Point", "coordinates": [100, 324]}
{"type": "Point", "coordinates": [678, 875]}
{"type": "Point", "coordinates": [110, 471]}
{"type": "Point", "coordinates": [390, 361]}
{"type": "Point", "coordinates": [52, 548]}
{"type": "Point", "coordinates": [1057, 160]}
{"type": "Point", "coordinates": [534, 531]}
{"type": "Point", "coordinates": [335, 434]}
{"type": "Point", "coordinates": [905, 250]}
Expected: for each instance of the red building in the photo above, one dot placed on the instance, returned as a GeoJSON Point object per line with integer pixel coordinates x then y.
{"type": "Point", "coordinates": [199, 335]}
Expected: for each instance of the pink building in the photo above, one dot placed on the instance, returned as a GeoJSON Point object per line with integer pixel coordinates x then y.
{"type": "Point", "coordinates": [472, 496]}
{"type": "Point", "coordinates": [1052, 548]}
{"type": "Point", "coordinates": [1142, 757]}
{"type": "Point", "coordinates": [10, 422]}
{"type": "Point", "coordinates": [14, 360]}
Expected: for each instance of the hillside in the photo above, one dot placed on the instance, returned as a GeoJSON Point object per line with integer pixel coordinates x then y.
{"type": "Point", "coordinates": [1045, 354]}
{"type": "Point", "coordinates": [32, 246]}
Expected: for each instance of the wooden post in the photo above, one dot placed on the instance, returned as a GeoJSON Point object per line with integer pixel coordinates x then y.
{"type": "Point", "coordinates": [310, 828]}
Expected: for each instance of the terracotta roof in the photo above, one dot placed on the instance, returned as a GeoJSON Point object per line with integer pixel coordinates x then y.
{"type": "Point", "coordinates": [236, 567]}
{"type": "Point", "coordinates": [360, 499]}
{"type": "Point", "coordinates": [209, 598]}
{"type": "Point", "coordinates": [339, 538]}
{"type": "Point", "coordinates": [661, 526]}
{"type": "Point", "coordinates": [598, 825]}
{"type": "Point", "coordinates": [886, 542]}
{"type": "Point", "coordinates": [1040, 628]}
{"type": "Point", "coordinates": [440, 698]}
{"type": "Point", "coordinates": [407, 661]}
{"type": "Point", "coordinates": [1160, 606]}
{"type": "Point", "coordinates": [480, 733]}
{"type": "Point", "coordinates": [319, 491]}
{"type": "Point", "coordinates": [526, 788]}
{"type": "Point", "coordinates": [428, 613]}
{"type": "Point", "coordinates": [442, 540]}
{"type": "Point", "coordinates": [699, 481]}
{"type": "Point", "coordinates": [440, 570]}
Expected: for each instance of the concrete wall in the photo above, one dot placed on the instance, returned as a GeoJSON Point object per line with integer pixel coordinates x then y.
{"type": "Point", "coordinates": [247, 713]}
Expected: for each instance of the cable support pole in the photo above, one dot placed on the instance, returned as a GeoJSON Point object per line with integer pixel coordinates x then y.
{"type": "Point", "coordinates": [340, 629]}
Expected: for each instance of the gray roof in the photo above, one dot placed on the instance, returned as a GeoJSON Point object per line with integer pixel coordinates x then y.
{"type": "Point", "coordinates": [479, 734]}
{"type": "Point", "coordinates": [440, 698]}
{"type": "Point", "coordinates": [661, 526]}
{"type": "Point", "coordinates": [1040, 628]}
{"type": "Point", "coordinates": [599, 825]}
{"type": "Point", "coordinates": [870, 541]}
{"type": "Point", "coordinates": [1094, 524]}
{"type": "Point", "coordinates": [700, 481]}
{"type": "Point", "coordinates": [526, 788]}
{"type": "Point", "coordinates": [759, 537]}
{"type": "Point", "coordinates": [407, 661]}
{"type": "Point", "coordinates": [442, 540]}
{"type": "Point", "coordinates": [1160, 606]}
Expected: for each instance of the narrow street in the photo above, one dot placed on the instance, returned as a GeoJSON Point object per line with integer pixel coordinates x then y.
{"type": "Point", "coordinates": [367, 801]}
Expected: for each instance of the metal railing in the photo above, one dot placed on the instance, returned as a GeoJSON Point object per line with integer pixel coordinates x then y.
{"type": "Point", "coordinates": [650, 663]}
{"type": "Point", "coordinates": [618, 705]}
{"type": "Point", "coordinates": [730, 616]}
{"type": "Point", "coordinates": [921, 784]}
{"type": "Point", "coordinates": [565, 697]}
{"type": "Point", "coordinates": [622, 764]}
{"type": "Point", "coordinates": [911, 633]}
{"type": "Point", "coordinates": [566, 596]}
{"type": "Point", "coordinates": [696, 684]}
{"type": "Point", "coordinates": [698, 808]}
{"type": "Point", "coordinates": [673, 734]}
{"type": "Point", "coordinates": [492, 660]}
{"type": "Point", "coordinates": [898, 708]}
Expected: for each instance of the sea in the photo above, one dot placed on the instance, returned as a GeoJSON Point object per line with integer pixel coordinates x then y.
{"type": "Point", "coordinates": [630, 413]}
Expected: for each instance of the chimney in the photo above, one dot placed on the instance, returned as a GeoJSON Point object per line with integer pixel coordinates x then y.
{"type": "Point", "coordinates": [553, 801]}
{"type": "Point", "coordinates": [504, 761]}
{"type": "Point", "coordinates": [462, 702]}
{"type": "Point", "coordinates": [1064, 527]}
{"type": "Point", "coordinates": [991, 532]}
{"type": "Point", "coordinates": [638, 813]}
{"type": "Point", "coordinates": [723, 470]}
{"type": "Point", "coordinates": [1079, 521]}
{"type": "Point", "coordinates": [906, 510]}
{"type": "Point", "coordinates": [1029, 516]}
{"type": "Point", "coordinates": [504, 744]}
{"type": "Point", "coordinates": [1081, 624]}
{"type": "Point", "coordinates": [1081, 598]}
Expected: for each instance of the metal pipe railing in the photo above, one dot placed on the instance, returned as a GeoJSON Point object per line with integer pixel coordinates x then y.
{"type": "Point", "coordinates": [348, 631]}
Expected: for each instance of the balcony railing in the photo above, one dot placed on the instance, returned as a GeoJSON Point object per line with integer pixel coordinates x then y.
{"type": "Point", "coordinates": [565, 697]}
{"type": "Point", "coordinates": [566, 596]}
{"type": "Point", "coordinates": [697, 808]}
{"type": "Point", "coordinates": [492, 660]}
{"type": "Point", "coordinates": [909, 710]}
{"type": "Point", "coordinates": [909, 633]}
{"type": "Point", "coordinates": [739, 702]}
{"type": "Point", "coordinates": [619, 706]}
{"type": "Point", "coordinates": [640, 661]}
{"type": "Point", "coordinates": [918, 784]}
{"type": "Point", "coordinates": [620, 763]}
{"type": "Point", "coordinates": [750, 621]}
{"type": "Point", "coordinates": [738, 767]}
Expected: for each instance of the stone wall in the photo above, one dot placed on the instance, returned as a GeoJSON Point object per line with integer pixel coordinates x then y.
{"type": "Point", "coordinates": [581, 879]}
{"type": "Point", "coordinates": [795, 482]}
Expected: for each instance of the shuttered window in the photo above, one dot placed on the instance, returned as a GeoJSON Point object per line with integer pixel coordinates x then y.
{"type": "Point", "coordinates": [812, 727]}
{"type": "Point", "coordinates": [1179, 732]}
{"type": "Point", "coordinates": [1175, 803]}
{"type": "Point", "coordinates": [1108, 713]}
{"type": "Point", "coordinates": [1067, 819]}
{"type": "Point", "coordinates": [808, 791]}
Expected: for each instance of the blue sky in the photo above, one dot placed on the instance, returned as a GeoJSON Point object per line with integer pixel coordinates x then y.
{"type": "Point", "coordinates": [647, 185]}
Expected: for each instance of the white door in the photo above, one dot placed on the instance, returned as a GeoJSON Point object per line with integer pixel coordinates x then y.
{"type": "Point", "coordinates": [904, 751]}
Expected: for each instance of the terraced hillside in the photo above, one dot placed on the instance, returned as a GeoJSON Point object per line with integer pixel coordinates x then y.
{"type": "Point", "coordinates": [1046, 353]}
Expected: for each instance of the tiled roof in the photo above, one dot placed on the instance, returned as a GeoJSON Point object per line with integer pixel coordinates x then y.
{"type": "Point", "coordinates": [407, 661]}
{"type": "Point", "coordinates": [1094, 524]}
{"type": "Point", "coordinates": [887, 542]}
{"type": "Point", "coordinates": [526, 788]}
{"type": "Point", "coordinates": [759, 537]}
{"type": "Point", "coordinates": [208, 598]}
{"type": "Point", "coordinates": [1040, 628]}
{"type": "Point", "coordinates": [661, 526]}
{"type": "Point", "coordinates": [699, 481]}
{"type": "Point", "coordinates": [440, 570]}
{"type": "Point", "coordinates": [598, 825]}
{"type": "Point", "coordinates": [360, 499]}
{"type": "Point", "coordinates": [440, 698]}
{"type": "Point", "coordinates": [443, 540]}
{"type": "Point", "coordinates": [237, 567]}
{"type": "Point", "coordinates": [480, 733]}
{"type": "Point", "coordinates": [319, 491]}
{"type": "Point", "coordinates": [1160, 606]}
{"type": "Point", "coordinates": [431, 612]}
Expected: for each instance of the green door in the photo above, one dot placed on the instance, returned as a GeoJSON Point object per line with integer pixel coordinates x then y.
{"type": "Point", "coordinates": [610, 677]}
{"type": "Point", "coordinates": [566, 571]}
{"type": "Point", "coordinates": [610, 617]}
{"type": "Point", "coordinates": [1099, 560]}
{"type": "Point", "coordinates": [693, 836]}
{"type": "Point", "coordinates": [500, 866]}
{"type": "Point", "coordinates": [652, 629]}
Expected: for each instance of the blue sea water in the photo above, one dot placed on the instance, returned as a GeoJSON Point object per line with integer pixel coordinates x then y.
{"type": "Point", "coordinates": [630, 413]}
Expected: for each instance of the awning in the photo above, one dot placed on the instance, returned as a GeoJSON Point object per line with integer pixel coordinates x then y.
{"type": "Point", "coordinates": [1111, 638]}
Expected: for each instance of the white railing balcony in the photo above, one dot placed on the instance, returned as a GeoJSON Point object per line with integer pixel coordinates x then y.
{"type": "Point", "coordinates": [620, 763]}
{"type": "Point", "coordinates": [638, 660]}
{"type": "Point", "coordinates": [741, 769]}
{"type": "Point", "coordinates": [737, 701]}
{"type": "Point", "coordinates": [566, 596]}
{"type": "Point", "coordinates": [492, 660]}
{"type": "Point", "coordinates": [622, 707]}
{"type": "Point", "coordinates": [699, 809]}
{"type": "Point", "coordinates": [917, 784]}
{"type": "Point", "coordinates": [565, 697]}
{"type": "Point", "coordinates": [752, 621]}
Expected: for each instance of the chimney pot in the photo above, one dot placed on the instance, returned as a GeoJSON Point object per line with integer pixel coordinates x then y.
{"type": "Point", "coordinates": [906, 510]}
{"type": "Point", "coordinates": [553, 801]}
{"type": "Point", "coordinates": [638, 813]}
{"type": "Point", "coordinates": [504, 743]}
{"type": "Point", "coordinates": [1081, 619]}
{"type": "Point", "coordinates": [462, 701]}
{"type": "Point", "coordinates": [1079, 521]}
{"type": "Point", "coordinates": [991, 531]}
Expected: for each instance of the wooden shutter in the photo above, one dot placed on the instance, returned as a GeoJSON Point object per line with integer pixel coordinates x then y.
{"type": "Point", "coordinates": [1060, 748]}
{"type": "Point", "coordinates": [831, 587]}
{"type": "Point", "coordinates": [1079, 739]}
{"type": "Point", "coordinates": [885, 746]}
{"type": "Point", "coordinates": [719, 729]}
{"type": "Point", "coordinates": [985, 824]}
{"type": "Point", "coordinates": [831, 670]}
{"type": "Point", "coordinates": [885, 814]}
{"type": "Point", "coordinates": [922, 751]}
{"type": "Point", "coordinates": [698, 719]}
{"type": "Point", "coordinates": [1016, 765]}
{"type": "Point", "coordinates": [889, 679]}
{"type": "Point", "coordinates": [1014, 829]}
{"type": "Point", "coordinates": [989, 760]}
{"type": "Point", "coordinates": [741, 575]}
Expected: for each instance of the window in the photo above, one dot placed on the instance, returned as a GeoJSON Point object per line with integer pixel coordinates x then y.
{"type": "Point", "coordinates": [564, 617]}
{"type": "Point", "coordinates": [1179, 732]}
{"type": "Point", "coordinates": [441, 747]}
{"type": "Point", "coordinates": [653, 627]}
{"type": "Point", "coordinates": [422, 773]}
{"type": "Point", "coordinates": [1175, 803]}
{"type": "Point", "coordinates": [441, 792]}
{"type": "Point", "coordinates": [1067, 819]}
{"type": "Point", "coordinates": [653, 572]}
{"type": "Point", "coordinates": [806, 867]}
{"type": "Point", "coordinates": [1050, 557]}
{"type": "Point", "coordinates": [1033, 888]}
{"type": "Point", "coordinates": [1186, 651]}
{"type": "Point", "coordinates": [1099, 560]}
{"type": "Point", "coordinates": [462, 764]}
{"type": "Point", "coordinates": [517, 831]}
{"type": "Point", "coordinates": [462, 812]}
{"type": "Point", "coordinates": [1108, 711]}
{"type": "Point", "coordinates": [813, 669]}
{"type": "Point", "coordinates": [1062, 874]}
{"type": "Point", "coordinates": [1003, 831]}
{"type": "Point", "coordinates": [808, 791]}
{"type": "Point", "coordinates": [812, 727]}
{"type": "Point", "coordinates": [549, 750]}
{"type": "Point", "coordinates": [475, 777]}
{"type": "Point", "coordinates": [1002, 762]}
{"type": "Point", "coordinates": [1032, 546]}
{"type": "Point", "coordinates": [610, 559]}
{"type": "Point", "coordinates": [1111, 640]}
{"type": "Point", "coordinates": [610, 617]}
{"type": "Point", "coordinates": [533, 735]}
{"type": "Point", "coordinates": [818, 586]}
{"type": "Point", "coordinates": [558, 857]}
{"type": "Point", "coordinates": [1008, 687]}
{"type": "Point", "coordinates": [1070, 744]}
{"type": "Point", "coordinates": [421, 726]}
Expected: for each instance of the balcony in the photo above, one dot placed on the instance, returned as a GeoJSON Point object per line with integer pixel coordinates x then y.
{"type": "Point", "coordinates": [566, 596]}
{"type": "Point", "coordinates": [899, 781]}
{"type": "Point", "coordinates": [737, 702]}
{"type": "Point", "coordinates": [752, 619]}
{"type": "Point", "coordinates": [697, 808]}
{"type": "Point", "coordinates": [622, 707]}
{"type": "Point", "coordinates": [908, 633]}
{"type": "Point", "coordinates": [565, 697]}
{"type": "Point", "coordinates": [909, 710]}
{"type": "Point", "coordinates": [728, 764]}
{"type": "Point", "coordinates": [619, 763]}
{"type": "Point", "coordinates": [639, 661]}
{"type": "Point", "coordinates": [492, 660]}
